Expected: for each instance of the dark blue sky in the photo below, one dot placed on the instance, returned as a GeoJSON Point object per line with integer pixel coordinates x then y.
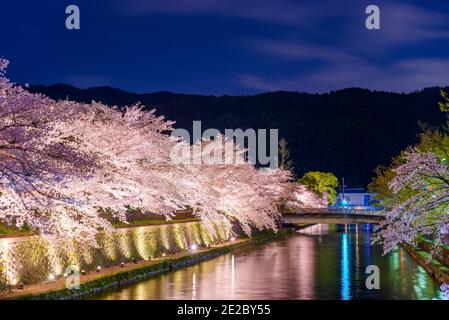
{"type": "Point", "coordinates": [227, 46]}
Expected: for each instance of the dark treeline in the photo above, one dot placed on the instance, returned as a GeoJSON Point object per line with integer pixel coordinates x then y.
{"type": "Point", "coordinates": [348, 132]}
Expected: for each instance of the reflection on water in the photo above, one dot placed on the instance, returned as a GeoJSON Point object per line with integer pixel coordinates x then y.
{"type": "Point", "coordinates": [345, 269]}
{"type": "Point", "coordinates": [320, 262]}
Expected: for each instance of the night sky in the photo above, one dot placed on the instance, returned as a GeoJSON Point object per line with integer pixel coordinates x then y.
{"type": "Point", "coordinates": [227, 46]}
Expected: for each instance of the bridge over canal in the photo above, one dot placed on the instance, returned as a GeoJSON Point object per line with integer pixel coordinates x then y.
{"type": "Point", "coordinates": [332, 216]}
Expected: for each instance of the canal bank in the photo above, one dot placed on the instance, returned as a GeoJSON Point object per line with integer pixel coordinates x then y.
{"type": "Point", "coordinates": [29, 260]}
{"type": "Point", "coordinates": [436, 269]}
{"type": "Point", "coordinates": [118, 276]}
{"type": "Point", "coordinates": [347, 248]}
{"type": "Point", "coordinates": [320, 262]}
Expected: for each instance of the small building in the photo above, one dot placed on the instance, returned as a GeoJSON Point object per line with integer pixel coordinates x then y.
{"type": "Point", "coordinates": [354, 198]}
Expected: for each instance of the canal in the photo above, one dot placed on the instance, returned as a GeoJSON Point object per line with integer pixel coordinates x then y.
{"type": "Point", "coordinates": [319, 262]}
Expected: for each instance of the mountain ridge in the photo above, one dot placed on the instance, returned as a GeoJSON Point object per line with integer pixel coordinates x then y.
{"type": "Point", "coordinates": [348, 131]}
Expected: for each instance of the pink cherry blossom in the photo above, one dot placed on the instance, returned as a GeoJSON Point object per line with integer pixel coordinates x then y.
{"type": "Point", "coordinates": [63, 161]}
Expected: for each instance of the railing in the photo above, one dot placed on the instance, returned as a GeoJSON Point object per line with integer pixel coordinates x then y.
{"type": "Point", "coordinates": [343, 211]}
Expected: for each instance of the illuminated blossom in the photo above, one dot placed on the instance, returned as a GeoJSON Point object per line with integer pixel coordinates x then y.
{"type": "Point", "coordinates": [67, 168]}
{"type": "Point", "coordinates": [425, 211]}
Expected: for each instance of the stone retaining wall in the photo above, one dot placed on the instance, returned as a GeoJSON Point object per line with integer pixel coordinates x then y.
{"type": "Point", "coordinates": [28, 260]}
{"type": "Point", "coordinates": [435, 268]}
{"type": "Point", "coordinates": [441, 253]}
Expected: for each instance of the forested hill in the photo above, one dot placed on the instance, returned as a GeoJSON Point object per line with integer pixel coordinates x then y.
{"type": "Point", "coordinates": [348, 132]}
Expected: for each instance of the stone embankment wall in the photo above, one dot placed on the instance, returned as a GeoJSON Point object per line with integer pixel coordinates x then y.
{"type": "Point", "coordinates": [441, 253]}
{"type": "Point", "coordinates": [28, 260]}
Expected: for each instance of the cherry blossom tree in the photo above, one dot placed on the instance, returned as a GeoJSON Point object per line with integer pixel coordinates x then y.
{"type": "Point", "coordinates": [445, 291]}
{"type": "Point", "coordinates": [219, 184]}
{"type": "Point", "coordinates": [425, 178]}
{"type": "Point", "coordinates": [415, 190]}
{"type": "Point", "coordinates": [64, 163]}
{"type": "Point", "coordinates": [134, 159]}
{"type": "Point", "coordinates": [36, 163]}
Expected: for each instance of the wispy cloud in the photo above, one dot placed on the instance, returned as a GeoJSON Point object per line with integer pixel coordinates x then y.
{"type": "Point", "coordinates": [341, 51]}
{"type": "Point", "coordinates": [360, 58]}
{"type": "Point", "coordinates": [402, 26]}
{"type": "Point", "coordinates": [87, 81]}
{"type": "Point", "coordinates": [284, 12]}
{"type": "Point", "coordinates": [406, 23]}
{"type": "Point", "coordinates": [262, 84]}
{"type": "Point", "coordinates": [400, 22]}
{"type": "Point", "coordinates": [401, 76]}
{"type": "Point", "coordinates": [300, 51]}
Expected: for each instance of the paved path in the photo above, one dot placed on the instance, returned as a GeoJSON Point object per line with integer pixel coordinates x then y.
{"type": "Point", "coordinates": [60, 284]}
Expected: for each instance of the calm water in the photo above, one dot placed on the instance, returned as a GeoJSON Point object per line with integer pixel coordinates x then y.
{"type": "Point", "coordinates": [320, 262]}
